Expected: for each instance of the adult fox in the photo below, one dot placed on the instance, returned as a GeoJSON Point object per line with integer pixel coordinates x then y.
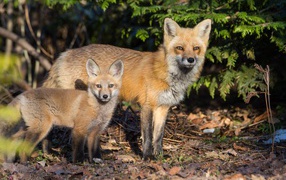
{"type": "Point", "coordinates": [156, 80]}
{"type": "Point", "coordinates": [86, 113]}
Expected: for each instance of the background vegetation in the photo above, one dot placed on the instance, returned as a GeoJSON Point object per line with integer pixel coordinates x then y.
{"type": "Point", "coordinates": [33, 33]}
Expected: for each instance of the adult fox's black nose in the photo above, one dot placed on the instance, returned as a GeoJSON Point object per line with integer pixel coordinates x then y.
{"type": "Point", "coordinates": [191, 60]}
{"type": "Point", "coordinates": [105, 96]}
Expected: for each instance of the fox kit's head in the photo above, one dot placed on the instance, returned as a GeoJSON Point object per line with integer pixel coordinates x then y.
{"type": "Point", "coordinates": [186, 47]}
{"type": "Point", "coordinates": [104, 86]}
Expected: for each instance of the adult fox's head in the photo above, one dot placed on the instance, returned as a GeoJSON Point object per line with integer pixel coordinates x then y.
{"type": "Point", "coordinates": [104, 86]}
{"type": "Point", "coordinates": [186, 47]}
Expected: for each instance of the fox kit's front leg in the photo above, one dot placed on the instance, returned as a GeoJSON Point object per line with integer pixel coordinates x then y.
{"type": "Point", "coordinates": [78, 141]}
{"type": "Point", "coordinates": [93, 144]}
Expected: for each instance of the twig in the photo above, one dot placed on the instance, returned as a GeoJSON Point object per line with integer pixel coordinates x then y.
{"type": "Point", "coordinates": [6, 94]}
{"type": "Point", "coordinates": [172, 140]}
{"type": "Point", "coordinates": [253, 124]}
{"type": "Point", "coordinates": [190, 137]}
{"type": "Point", "coordinates": [78, 30]}
{"type": "Point", "coordinates": [266, 77]}
{"type": "Point", "coordinates": [220, 7]}
{"type": "Point", "coordinates": [24, 44]}
{"type": "Point", "coordinates": [33, 34]}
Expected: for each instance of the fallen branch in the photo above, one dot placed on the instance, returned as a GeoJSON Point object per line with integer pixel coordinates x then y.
{"type": "Point", "coordinates": [24, 44]}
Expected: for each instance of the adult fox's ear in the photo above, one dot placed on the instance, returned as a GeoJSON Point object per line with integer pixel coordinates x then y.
{"type": "Point", "coordinates": [171, 29]}
{"type": "Point", "coordinates": [116, 69]}
{"type": "Point", "coordinates": [92, 68]}
{"type": "Point", "coordinates": [203, 30]}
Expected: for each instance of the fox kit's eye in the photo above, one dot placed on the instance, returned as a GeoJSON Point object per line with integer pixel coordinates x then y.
{"type": "Point", "coordinates": [110, 85]}
{"type": "Point", "coordinates": [180, 48]}
{"type": "Point", "coordinates": [196, 48]}
{"type": "Point", "coordinates": [98, 85]}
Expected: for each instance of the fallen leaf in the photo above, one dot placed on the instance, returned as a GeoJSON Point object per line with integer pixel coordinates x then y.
{"type": "Point", "coordinates": [231, 152]}
{"type": "Point", "coordinates": [237, 147]}
{"type": "Point", "coordinates": [34, 154]}
{"type": "Point", "coordinates": [170, 147]}
{"type": "Point", "coordinates": [109, 146]}
{"type": "Point", "coordinates": [226, 121]}
{"type": "Point", "coordinates": [236, 177]}
{"type": "Point", "coordinates": [209, 125]}
{"type": "Point", "coordinates": [174, 170]}
{"type": "Point", "coordinates": [192, 116]}
{"type": "Point", "coordinates": [211, 154]}
{"type": "Point", "coordinates": [42, 163]}
{"type": "Point", "coordinates": [156, 166]}
{"type": "Point", "coordinates": [125, 158]}
{"type": "Point", "coordinates": [197, 121]}
{"type": "Point", "coordinates": [216, 155]}
{"type": "Point", "coordinates": [237, 131]}
{"type": "Point", "coordinates": [261, 117]}
{"type": "Point", "coordinates": [257, 177]}
{"type": "Point", "coordinates": [112, 141]}
{"type": "Point", "coordinates": [215, 116]}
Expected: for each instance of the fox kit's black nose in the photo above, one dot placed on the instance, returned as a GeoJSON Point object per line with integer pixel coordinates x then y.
{"type": "Point", "coordinates": [105, 96]}
{"type": "Point", "coordinates": [191, 60]}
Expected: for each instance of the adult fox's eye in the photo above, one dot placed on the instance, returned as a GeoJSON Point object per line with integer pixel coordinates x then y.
{"type": "Point", "coordinates": [180, 48]}
{"type": "Point", "coordinates": [196, 48]}
{"type": "Point", "coordinates": [98, 85]}
{"type": "Point", "coordinates": [110, 85]}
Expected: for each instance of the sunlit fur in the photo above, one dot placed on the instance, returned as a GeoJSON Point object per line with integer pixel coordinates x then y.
{"type": "Point", "coordinates": [86, 113]}
{"type": "Point", "coordinates": [157, 80]}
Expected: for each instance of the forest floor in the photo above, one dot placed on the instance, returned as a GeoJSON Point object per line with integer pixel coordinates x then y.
{"type": "Point", "coordinates": [201, 143]}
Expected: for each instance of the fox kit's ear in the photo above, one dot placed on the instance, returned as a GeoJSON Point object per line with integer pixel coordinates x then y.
{"type": "Point", "coordinates": [92, 68]}
{"type": "Point", "coordinates": [170, 28]}
{"type": "Point", "coordinates": [116, 69]}
{"type": "Point", "coordinates": [203, 30]}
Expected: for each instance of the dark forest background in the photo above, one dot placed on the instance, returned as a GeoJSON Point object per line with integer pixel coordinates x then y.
{"type": "Point", "coordinates": [244, 33]}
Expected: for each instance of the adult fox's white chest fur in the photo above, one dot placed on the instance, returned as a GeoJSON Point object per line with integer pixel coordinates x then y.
{"type": "Point", "coordinates": [157, 80]}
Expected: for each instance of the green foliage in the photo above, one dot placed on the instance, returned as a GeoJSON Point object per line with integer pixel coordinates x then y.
{"type": "Point", "coordinates": [9, 147]}
{"type": "Point", "coordinates": [9, 114]}
{"type": "Point", "coordinates": [243, 33]}
{"type": "Point", "coordinates": [245, 80]}
{"type": "Point", "coordinates": [9, 69]}
{"type": "Point", "coordinates": [65, 5]}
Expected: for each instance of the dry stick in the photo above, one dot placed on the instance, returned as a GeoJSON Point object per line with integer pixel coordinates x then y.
{"type": "Point", "coordinates": [266, 78]}
{"type": "Point", "coordinates": [78, 30]}
{"type": "Point", "coordinates": [9, 45]}
{"type": "Point", "coordinates": [27, 17]}
{"type": "Point", "coordinates": [24, 44]}
{"type": "Point", "coordinates": [269, 105]}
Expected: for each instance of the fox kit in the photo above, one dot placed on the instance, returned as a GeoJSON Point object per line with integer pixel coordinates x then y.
{"type": "Point", "coordinates": [86, 113]}
{"type": "Point", "coordinates": [157, 80]}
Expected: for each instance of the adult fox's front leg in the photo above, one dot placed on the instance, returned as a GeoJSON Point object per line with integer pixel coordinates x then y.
{"type": "Point", "coordinates": [146, 131]}
{"type": "Point", "coordinates": [159, 120]}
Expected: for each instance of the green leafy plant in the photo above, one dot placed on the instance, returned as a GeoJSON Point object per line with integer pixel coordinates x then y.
{"type": "Point", "coordinates": [243, 33]}
{"type": "Point", "coordinates": [241, 30]}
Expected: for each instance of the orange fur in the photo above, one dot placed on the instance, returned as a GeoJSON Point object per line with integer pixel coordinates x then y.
{"type": "Point", "coordinates": [156, 80]}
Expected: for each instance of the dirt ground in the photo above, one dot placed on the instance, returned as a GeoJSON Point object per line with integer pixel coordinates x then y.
{"type": "Point", "coordinates": [199, 143]}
